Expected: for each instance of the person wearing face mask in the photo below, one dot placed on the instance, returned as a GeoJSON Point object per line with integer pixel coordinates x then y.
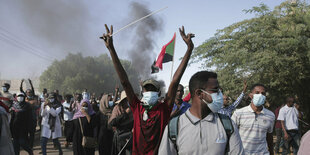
{"type": "Point", "coordinates": [121, 121]}
{"type": "Point", "coordinates": [256, 123]}
{"type": "Point", "coordinates": [21, 124]}
{"type": "Point", "coordinates": [85, 117]}
{"type": "Point", "coordinates": [200, 130]}
{"type": "Point", "coordinates": [105, 137]}
{"type": "Point", "coordinates": [35, 105]}
{"type": "Point", "coordinates": [150, 116]}
{"type": "Point", "coordinates": [6, 97]}
{"type": "Point", "coordinates": [51, 127]}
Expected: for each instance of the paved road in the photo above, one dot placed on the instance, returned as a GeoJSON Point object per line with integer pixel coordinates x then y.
{"type": "Point", "coordinates": [50, 148]}
{"type": "Point", "coordinates": [52, 151]}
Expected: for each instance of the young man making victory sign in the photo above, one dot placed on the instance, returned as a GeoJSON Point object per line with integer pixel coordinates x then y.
{"type": "Point", "coordinates": [150, 116]}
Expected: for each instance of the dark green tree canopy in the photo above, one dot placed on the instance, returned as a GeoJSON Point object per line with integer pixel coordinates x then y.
{"type": "Point", "coordinates": [273, 48]}
{"type": "Point", "coordinates": [76, 72]}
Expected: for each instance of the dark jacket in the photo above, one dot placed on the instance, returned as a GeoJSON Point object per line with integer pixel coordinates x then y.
{"type": "Point", "coordinates": [21, 121]}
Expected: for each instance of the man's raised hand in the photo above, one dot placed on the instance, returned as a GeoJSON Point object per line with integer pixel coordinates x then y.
{"type": "Point", "coordinates": [187, 38]}
{"type": "Point", "coordinates": [108, 36]}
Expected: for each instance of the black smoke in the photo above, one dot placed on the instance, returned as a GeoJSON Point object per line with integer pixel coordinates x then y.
{"type": "Point", "coordinates": [145, 32]}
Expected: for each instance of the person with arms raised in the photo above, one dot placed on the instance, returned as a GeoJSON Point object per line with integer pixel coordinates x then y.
{"type": "Point", "coordinates": [150, 116]}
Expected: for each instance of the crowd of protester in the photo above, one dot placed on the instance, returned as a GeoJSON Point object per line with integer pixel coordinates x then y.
{"type": "Point", "coordinates": [120, 123]}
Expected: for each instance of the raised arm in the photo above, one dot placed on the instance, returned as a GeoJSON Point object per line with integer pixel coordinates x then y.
{"type": "Point", "coordinates": [116, 93]}
{"type": "Point", "coordinates": [117, 64]}
{"type": "Point", "coordinates": [21, 86]}
{"type": "Point", "coordinates": [239, 99]}
{"type": "Point", "coordinates": [179, 72]}
{"type": "Point", "coordinates": [30, 82]}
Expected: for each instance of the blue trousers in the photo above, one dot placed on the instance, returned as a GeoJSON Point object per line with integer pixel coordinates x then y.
{"type": "Point", "coordinates": [294, 141]}
{"type": "Point", "coordinates": [44, 142]}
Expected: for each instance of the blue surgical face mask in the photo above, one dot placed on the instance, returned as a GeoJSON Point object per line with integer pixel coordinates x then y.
{"type": "Point", "coordinates": [217, 101]}
{"type": "Point", "coordinates": [4, 89]}
{"type": "Point", "coordinates": [150, 98]}
{"type": "Point", "coordinates": [111, 103]}
{"type": "Point", "coordinates": [258, 99]}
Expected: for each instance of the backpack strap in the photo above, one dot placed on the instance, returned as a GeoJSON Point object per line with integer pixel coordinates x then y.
{"type": "Point", "coordinates": [173, 130]}
{"type": "Point", "coordinates": [229, 129]}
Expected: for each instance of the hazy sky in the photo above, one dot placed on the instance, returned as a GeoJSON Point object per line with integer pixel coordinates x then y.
{"type": "Point", "coordinates": [33, 33]}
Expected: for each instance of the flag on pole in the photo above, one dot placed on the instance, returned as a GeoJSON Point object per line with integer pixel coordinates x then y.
{"type": "Point", "coordinates": [154, 68]}
{"type": "Point", "coordinates": [166, 53]}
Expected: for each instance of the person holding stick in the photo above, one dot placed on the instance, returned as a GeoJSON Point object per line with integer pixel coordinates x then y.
{"type": "Point", "coordinates": [150, 116]}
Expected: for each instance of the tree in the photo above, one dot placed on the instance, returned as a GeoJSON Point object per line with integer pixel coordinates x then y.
{"type": "Point", "coordinates": [76, 72]}
{"type": "Point", "coordinates": [273, 48]}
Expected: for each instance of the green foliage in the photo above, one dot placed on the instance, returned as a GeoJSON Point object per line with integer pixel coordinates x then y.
{"type": "Point", "coordinates": [273, 48]}
{"type": "Point", "coordinates": [76, 72]}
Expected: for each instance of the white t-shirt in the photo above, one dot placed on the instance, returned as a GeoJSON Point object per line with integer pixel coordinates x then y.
{"type": "Point", "coordinates": [290, 117]}
{"type": "Point", "coordinates": [67, 114]}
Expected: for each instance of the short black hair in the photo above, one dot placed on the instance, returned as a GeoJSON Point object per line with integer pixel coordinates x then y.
{"type": "Point", "coordinates": [199, 79]}
{"type": "Point", "coordinates": [7, 85]}
{"type": "Point", "coordinates": [256, 85]}
{"type": "Point", "coordinates": [68, 96]}
{"type": "Point", "coordinates": [289, 97]}
{"type": "Point", "coordinates": [180, 85]}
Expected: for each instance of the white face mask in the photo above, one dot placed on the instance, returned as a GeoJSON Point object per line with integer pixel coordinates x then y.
{"type": "Point", "coordinates": [150, 98]}
{"type": "Point", "coordinates": [20, 98]}
{"type": "Point", "coordinates": [111, 103]}
{"type": "Point", "coordinates": [258, 99]}
{"type": "Point", "coordinates": [51, 100]}
{"type": "Point", "coordinates": [85, 108]}
{"type": "Point", "coordinates": [217, 101]}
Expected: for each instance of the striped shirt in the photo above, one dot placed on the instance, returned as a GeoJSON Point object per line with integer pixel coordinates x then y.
{"type": "Point", "coordinates": [253, 129]}
{"type": "Point", "coordinates": [229, 109]}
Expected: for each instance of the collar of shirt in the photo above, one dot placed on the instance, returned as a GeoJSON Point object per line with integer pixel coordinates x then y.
{"type": "Point", "coordinates": [251, 110]}
{"type": "Point", "coordinates": [194, 120]}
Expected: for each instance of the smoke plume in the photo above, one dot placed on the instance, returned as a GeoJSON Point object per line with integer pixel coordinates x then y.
{"type": "Point", "coordinates": [142, 52]}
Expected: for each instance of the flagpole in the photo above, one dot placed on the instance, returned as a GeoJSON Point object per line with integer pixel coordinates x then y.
{"type": "Point", "coordinates": [139, 20]}
{"type": "Point", "coordinates": [173, 58]}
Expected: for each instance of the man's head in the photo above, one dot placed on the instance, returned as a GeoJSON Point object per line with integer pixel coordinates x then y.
{"type": "Point", "coordinates": [21, 97]}
{"type": "Point", "coordinates": [180, 92]}
{"type": "Point", "coordinates": [93, 96]}
{"type": "Point", "coordinates": [204, 89]}
{"type": "Point", "coordinates": [68, 98]}
{"type": "Point", "coordinates": [258, 94]}
{"type": "Point", "coordinates": [52, 97]}
{"type": "Point", "coordinates": [56, 91]}
{"type": "Point", "coordinates": [78, 97]}
{"type": "Point", "coordinates": [44, 91]}
{"type": "Point", "coordinates": [6, 87]}
{"type": "Point", "coordinates": [151, 93]}
{"type": "Point", "coordinates": [226, 100]}
{"type": "Point", "coordinates": [204, 80]}
{"type": "Point", "coordinates": [29, 93]}
{"type": "Point", "coordinates": [290, 101]}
